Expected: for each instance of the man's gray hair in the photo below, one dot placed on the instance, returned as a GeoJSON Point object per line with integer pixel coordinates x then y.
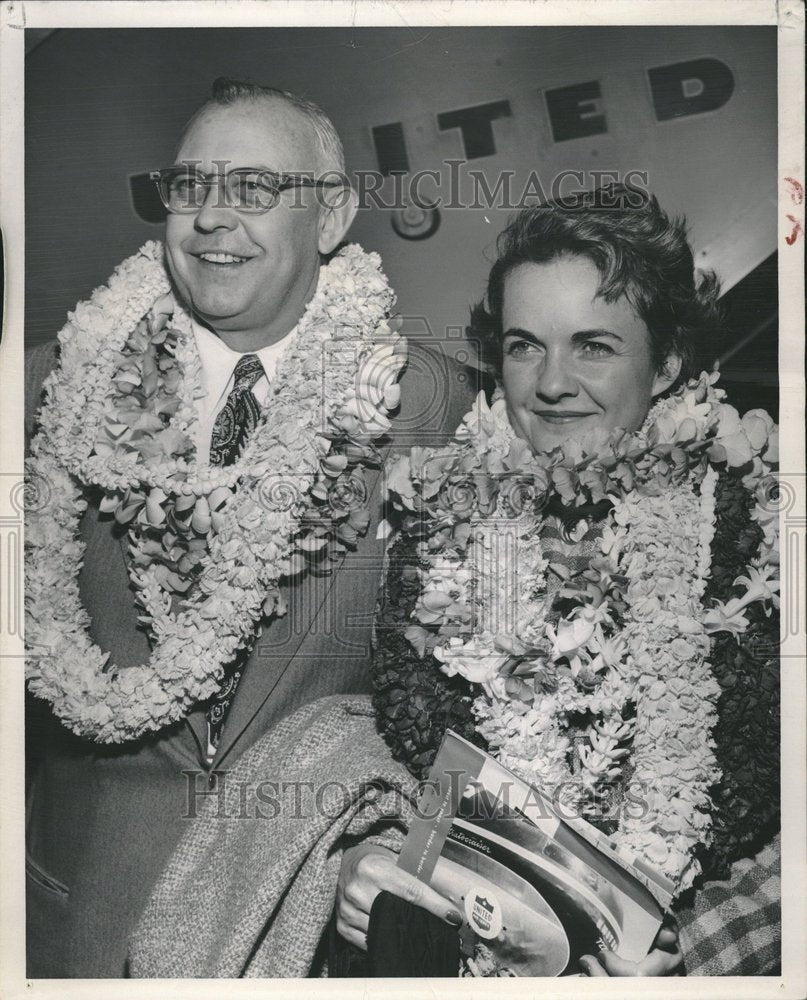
{"type": "Point", "coordinates": [228, 91]}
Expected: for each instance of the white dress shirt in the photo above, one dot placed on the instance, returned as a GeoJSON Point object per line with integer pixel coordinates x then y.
{"type": "Point", "coordinates": [218, 368]}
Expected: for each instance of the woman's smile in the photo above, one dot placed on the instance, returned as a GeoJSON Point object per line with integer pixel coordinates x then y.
{"type": "Point", "coordinates": [563, 416]}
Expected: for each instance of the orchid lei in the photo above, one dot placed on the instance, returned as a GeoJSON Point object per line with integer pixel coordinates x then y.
{"type": "Point", "coordinates": [209, 545]}
{"type": "Point", "coordinates": [623, 651]}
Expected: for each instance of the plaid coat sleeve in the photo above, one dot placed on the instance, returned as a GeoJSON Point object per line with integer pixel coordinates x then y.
{"type": "Point", "coordinates": [733, 928]}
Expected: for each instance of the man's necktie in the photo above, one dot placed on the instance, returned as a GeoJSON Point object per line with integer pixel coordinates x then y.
{"type": "Point", "coordinates": [232, 427]}
{"type": "Point", "coordinates": [240, 413]}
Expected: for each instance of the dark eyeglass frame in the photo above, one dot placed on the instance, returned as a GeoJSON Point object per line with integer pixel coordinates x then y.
{"type": "Point", "coordinates": [277, 183]}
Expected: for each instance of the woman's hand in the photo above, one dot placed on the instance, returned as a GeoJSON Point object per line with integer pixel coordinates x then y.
{"type": "Point", "coordinates": [367, 869]}
{"type": "Point", "coordinates": [665, 958]}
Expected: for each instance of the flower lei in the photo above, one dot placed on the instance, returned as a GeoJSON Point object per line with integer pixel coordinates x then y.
{"type": "Point", "coordinates": [209, 545]}
{"type": "Point", "coordinates": [626, 647]}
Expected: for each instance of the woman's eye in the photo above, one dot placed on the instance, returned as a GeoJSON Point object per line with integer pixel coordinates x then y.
{"type": "Point", "coordinates": [596, 348]}
{"type": "Point", "coordinates": [520, 348]}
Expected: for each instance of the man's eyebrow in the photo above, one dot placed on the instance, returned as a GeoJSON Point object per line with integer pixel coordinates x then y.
{"type": "Point", "coordinates": [257, 167]}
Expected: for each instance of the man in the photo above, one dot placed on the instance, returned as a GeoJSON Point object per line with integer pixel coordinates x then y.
{"type": "Point", "coordinates": [243, 248]}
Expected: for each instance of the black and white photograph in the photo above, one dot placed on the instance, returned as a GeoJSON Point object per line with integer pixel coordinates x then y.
{"type": "Point", "coordinates": [383, 382]}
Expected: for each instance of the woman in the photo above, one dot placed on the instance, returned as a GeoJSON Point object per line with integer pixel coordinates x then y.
{"type": "Point", "coordinates": [625, 637]}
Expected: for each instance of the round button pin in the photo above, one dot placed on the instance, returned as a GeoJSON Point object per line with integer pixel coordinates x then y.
{"type": "Point", "coordinates": [483, 912]}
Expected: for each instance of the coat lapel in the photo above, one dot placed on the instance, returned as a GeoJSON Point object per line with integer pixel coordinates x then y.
{"type": "Point", "coordinates": [275, 650]}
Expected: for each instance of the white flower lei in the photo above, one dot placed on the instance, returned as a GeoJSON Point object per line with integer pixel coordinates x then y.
{"type": "Point", "coordinates": [248, 514]}
{"type": "Point", "coordinates": [492, 606]}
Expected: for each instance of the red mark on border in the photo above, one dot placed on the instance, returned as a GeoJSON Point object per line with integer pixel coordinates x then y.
{"type": "Point", "coordinates": [797, 194]}
{"type": "Point", "coordinates": [795, 232]}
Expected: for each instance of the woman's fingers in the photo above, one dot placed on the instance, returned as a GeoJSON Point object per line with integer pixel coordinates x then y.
{"type": "Point", "coordinates": [352, 923]}
{"type": "Point", "coordinates": [665, 958]}
{"type": "Point", "coordinates": [662, 963]}
{"type": "Point", "coordinates": [606, 964]}
{"type": "Point", "coordinates": [615, 966]}
{"type": "Point", "coordinates": [406, 886]}
{"type": "Point", "coordinates": [382, 872]}
{"type": "Point", "coordinates": [353, 917]}
{"type": "Point", "coordinates": [358, 874]}
{"type": "Point", "coordinates": [351, 934]}
{"type": "Point", "coordinates": [667, 939]}
{"type": "Point", "coordinates": [354, 896]}
{"type": "Point", "coordinates": [367, 870]}
{"type": "Point", "coordinates": [657, 963]}
{"type": "Point", "coordinates": [591, 967]}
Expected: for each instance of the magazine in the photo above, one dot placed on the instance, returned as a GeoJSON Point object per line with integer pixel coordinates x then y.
{"type": "Point", "coordinates": [536, 886]}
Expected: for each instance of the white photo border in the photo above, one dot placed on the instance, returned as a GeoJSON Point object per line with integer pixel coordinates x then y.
{"type": "Point", "coordinates": [788, 15]}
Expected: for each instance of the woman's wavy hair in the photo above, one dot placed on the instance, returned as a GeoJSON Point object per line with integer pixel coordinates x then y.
{"type": "Point", "coordinates": [640, 252]}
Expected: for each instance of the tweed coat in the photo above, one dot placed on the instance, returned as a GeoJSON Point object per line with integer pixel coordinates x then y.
{"type": "Point", "coordinates": [102, 821]}
{"type": "Point", "coordinates": [250, 888]}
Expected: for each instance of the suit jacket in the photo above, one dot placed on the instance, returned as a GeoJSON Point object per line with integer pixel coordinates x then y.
{"type": "Point", "coordinates": [103, 820]}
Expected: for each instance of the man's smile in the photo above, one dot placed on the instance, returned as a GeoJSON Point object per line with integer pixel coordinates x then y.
{"type": "Point", "coordinates": [220, 258]}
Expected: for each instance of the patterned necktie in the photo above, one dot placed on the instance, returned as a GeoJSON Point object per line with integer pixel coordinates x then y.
{"type": "Point", "coordinates": [240, 413]}
{"type": "Point", "coordinates": [232, 427]}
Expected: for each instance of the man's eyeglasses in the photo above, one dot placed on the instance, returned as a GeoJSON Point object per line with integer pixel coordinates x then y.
{"type": "Point", "coordinates": [183, 190]}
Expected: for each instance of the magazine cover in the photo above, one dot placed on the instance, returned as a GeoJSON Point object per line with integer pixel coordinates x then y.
{"type": "Point", "coordinates": [537, 886]}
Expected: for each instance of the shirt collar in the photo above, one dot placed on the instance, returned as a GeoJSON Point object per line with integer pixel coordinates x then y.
{"type": "Point", "coordinates": [219, 361]}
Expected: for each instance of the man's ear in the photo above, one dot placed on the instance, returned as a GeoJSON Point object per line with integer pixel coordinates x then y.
{"type": "Point", "coordinates": [667, 374]}
{"type": "Point", "coordinates": [339, 207]}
